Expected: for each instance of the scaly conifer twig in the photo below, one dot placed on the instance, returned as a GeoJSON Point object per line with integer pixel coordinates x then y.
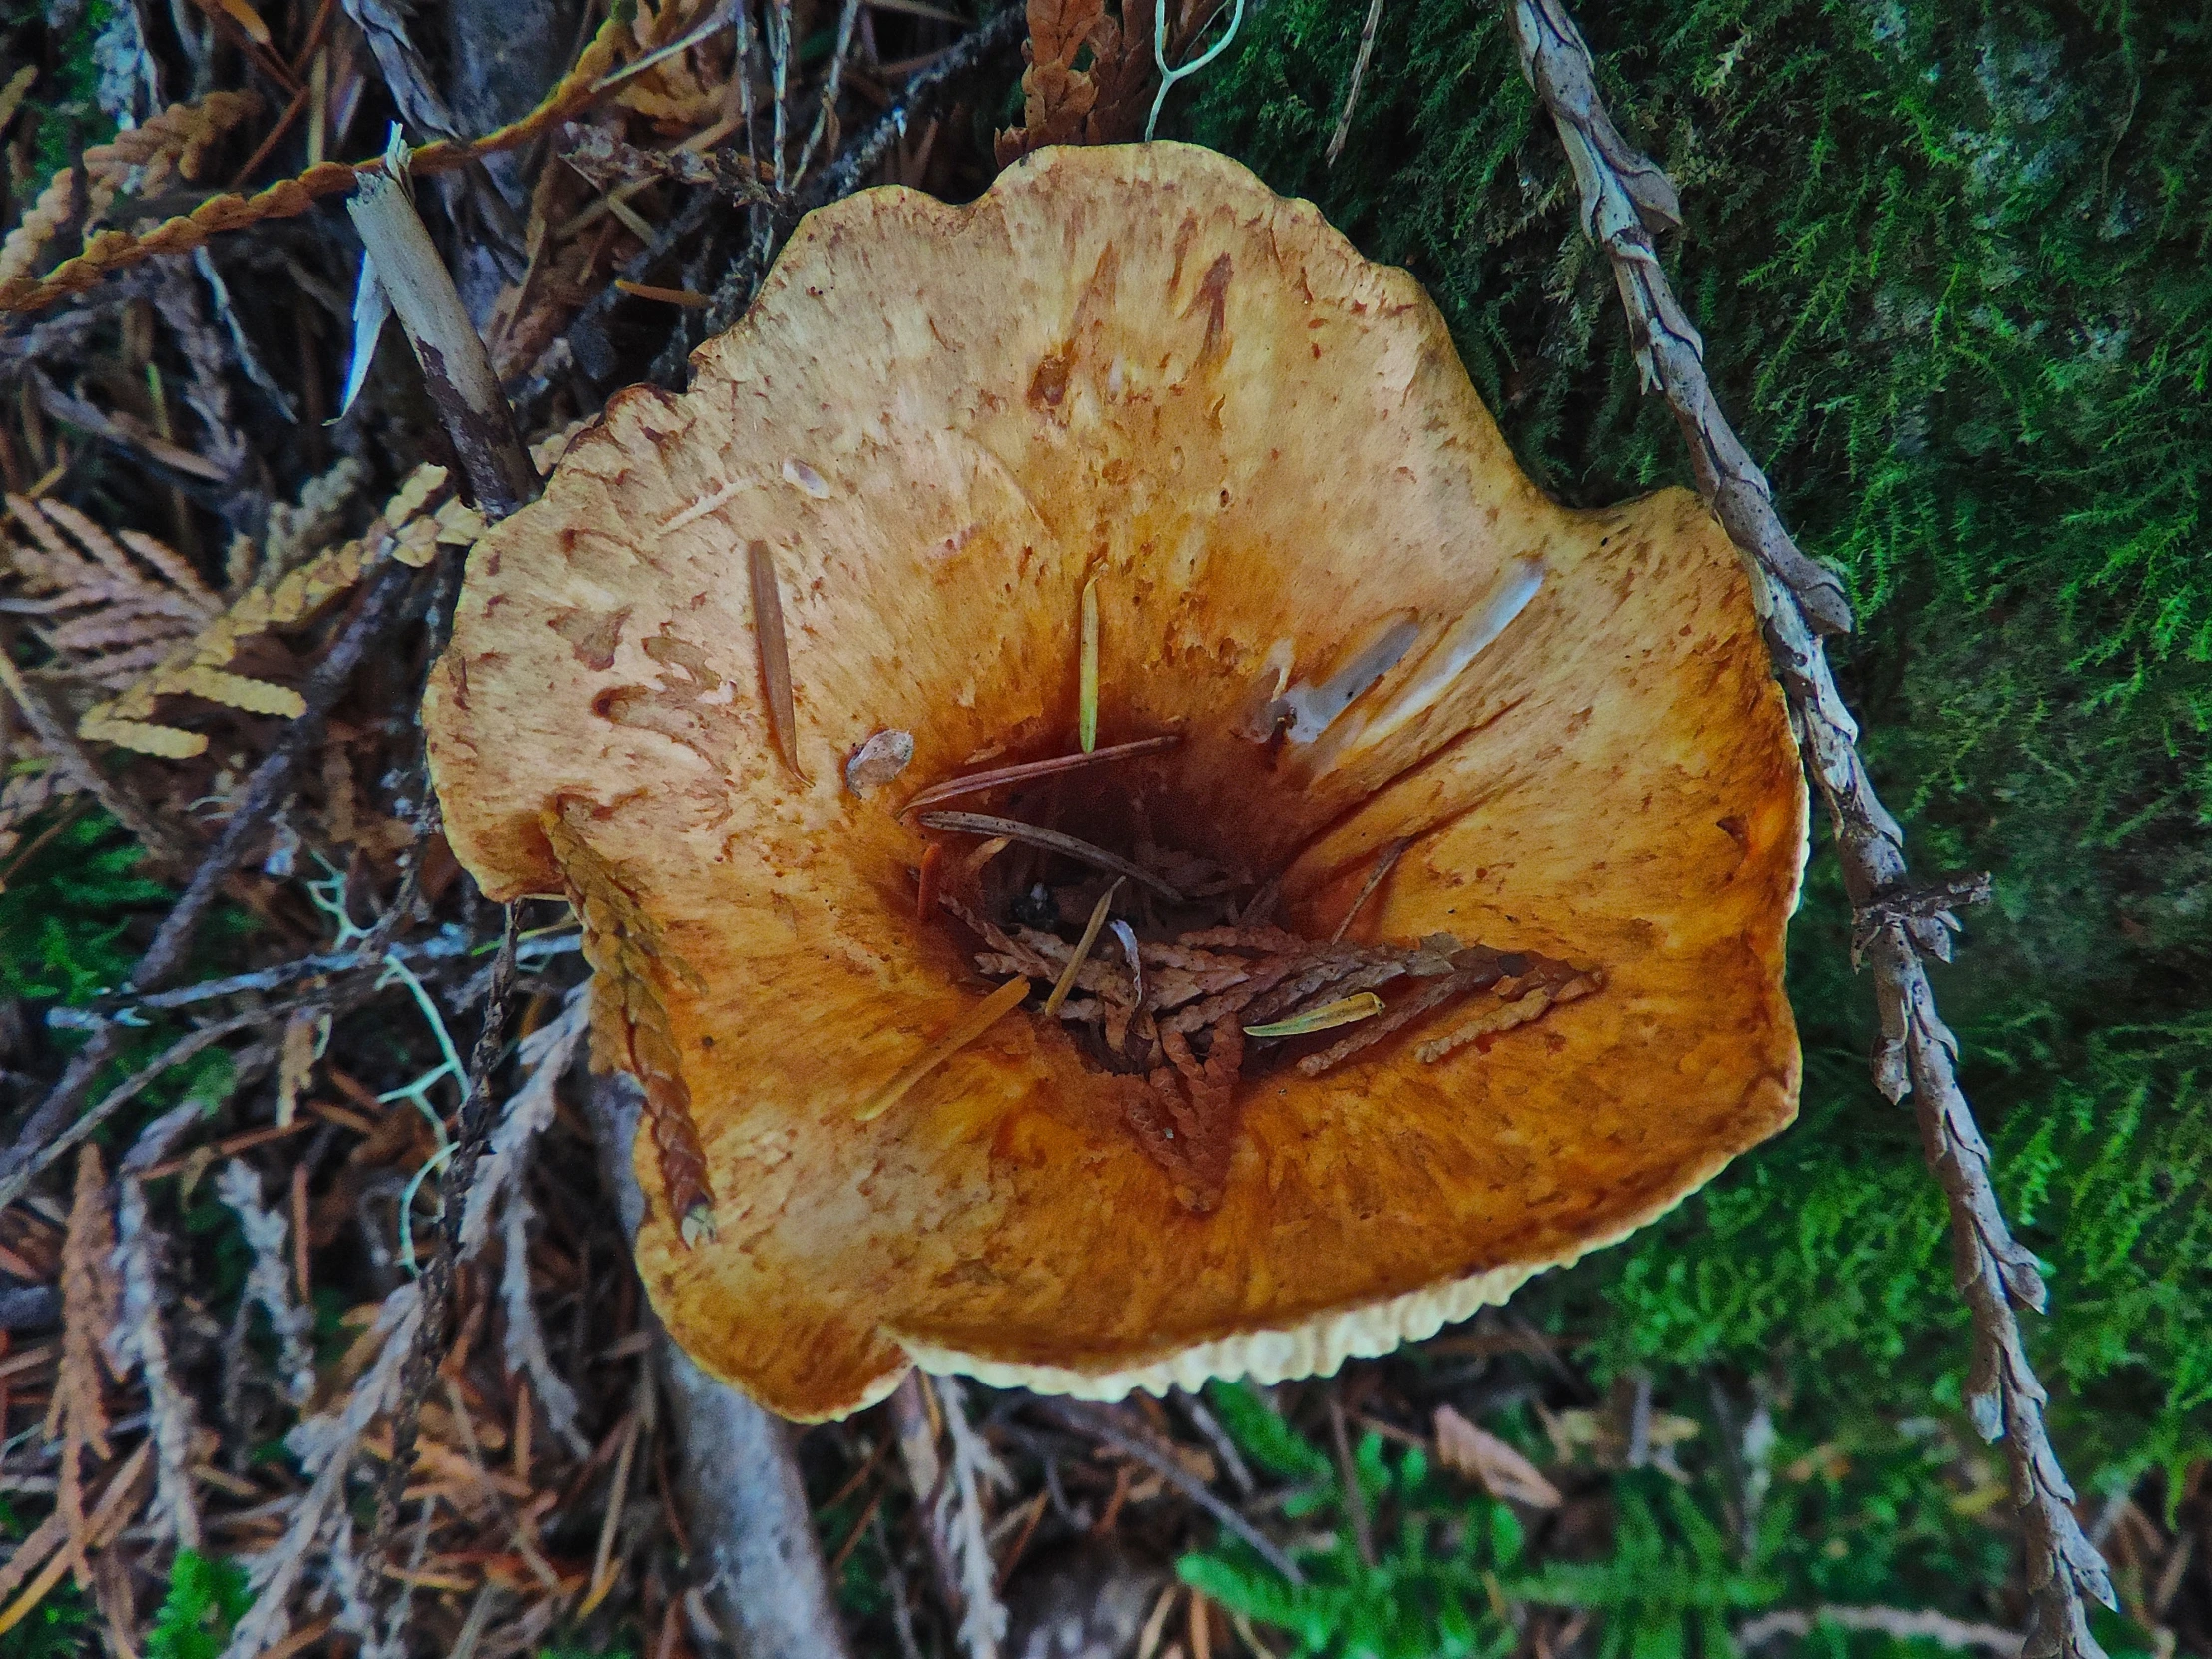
{"type": "Point", "coordinates": [382, 607]}
{"type": "Point", "coordinates": [1625, 199]}
{"type": "Point", "coordinates": [471, 1135]}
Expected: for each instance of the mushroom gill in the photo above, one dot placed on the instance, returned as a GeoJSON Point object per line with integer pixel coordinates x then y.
{"type": "Point", "coordinates": [1354, 674]}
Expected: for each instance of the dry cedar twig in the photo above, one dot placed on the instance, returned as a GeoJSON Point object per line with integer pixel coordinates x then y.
{"type": "Point", "coordinates": [140, 1341]}
{"type": "Point", "coordinates": [177, 139]}
{"type": "Point", "coordinates": [1900, 1624]}
{"type": "Point", "coordinates": [440, 947]}
{"type": "Point", "coordinates": [110, 250]}
{"type": "Point", "coordinates": [325, 1445]}
{"type": "Point", "coordinates": [410, 527]}
{"type": "Point", "coordinates": [825, 117]}
{"type": "Point", "coordinates": [608, 160]}
{"type": "Point", "coordinates": [982, 42]}
{"type": "Point", "coordinates": [44, 1155]}
{"type": "Point", "coordinates": [62, 748]}
{"type": "Point", "coordinates": [974, 1470]}
{"type": "Point", "coordinates": [77, 1414]}
{"type": "Point", "coordinates": [547, 1053]}
{"type": "Point", "coordinates": [124, 624]}
{"type": "Point", "coordinates": [412, 86]}
{"type": "Point", "coordinates": [23, 797]}
{"type": "Point", "coordinates": [733, 289]}
{"type": "Point", "coordinates": [1625, 199]}
{"type": "Point", "coordinates": [268, 1279]}
{"type": "Point", "coordinates": [206, 392]}
{"type": "Point", "coordinates": [472, 1134]}
{"type": "Point", "coordinates": [382, 607]}
{"type": "Point", "coordinates": [1104, 101]}
{"type": "Point", "coordinates": [1352, 92]}
{"type": "Point", "coordinates": [1114, 1428]}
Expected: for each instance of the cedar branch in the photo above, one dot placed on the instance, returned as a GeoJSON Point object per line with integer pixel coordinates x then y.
{"type": "Point", "coordinates": [383, 605]}
{"type": "Point", "coordinates": [471, 1135]}
{"type": "Point", "coordinates": [1625, 197]}
{"type": "Point", "coordinates": [110, 250]}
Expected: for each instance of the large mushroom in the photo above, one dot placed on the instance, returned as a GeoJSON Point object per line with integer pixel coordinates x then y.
{"type": "Point", "coordinates": [1355, 676]}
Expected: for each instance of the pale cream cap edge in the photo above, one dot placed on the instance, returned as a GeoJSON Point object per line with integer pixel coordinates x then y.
{"type": "Point", "coordinates": [1315, 1348]}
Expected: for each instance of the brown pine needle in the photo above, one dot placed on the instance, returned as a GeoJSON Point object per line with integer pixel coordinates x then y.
{"type": "Point", "coordinates": [970, 1025]}
{"type": "Point", "coordinates": [666, 297]}
{"type": "Point", "coordinates": [1086, 713]}
{"type": "Point", "coordinates": [775, 663]}
{"type": "Point", "coordinates": [1082, 952]}
{"type": "Point", "coordinates": [1345, 1010]}
{"type": "Point", "coordinates": [602, 1571]}
{"type": "Point", "coordinates": [1051, 841]}
{"type": "Point", "coordinates": [1383, 865]}
{"type": "Point", "coordinates": [975, 783]}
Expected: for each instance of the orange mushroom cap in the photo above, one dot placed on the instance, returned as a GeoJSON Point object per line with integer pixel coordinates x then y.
{"type": "Point", "coordinates": [1316, 560]}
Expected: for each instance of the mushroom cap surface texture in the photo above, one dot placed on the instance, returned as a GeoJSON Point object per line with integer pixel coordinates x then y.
{"type": "Point", "coordinates": [1134, 364]}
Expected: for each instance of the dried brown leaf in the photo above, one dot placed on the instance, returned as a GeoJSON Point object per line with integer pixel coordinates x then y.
{"type": "Point", "coordinates": [1496, 1466]}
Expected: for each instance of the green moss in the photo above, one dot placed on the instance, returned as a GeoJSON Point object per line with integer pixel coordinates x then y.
{"type": "Point", "coordinates": [1872, 1517]}
{"type": "Point", "coordinates": [68, 99]}
{"type": "Point", "coordinates": [206, 1596]}
{"type": "Point", "coordinates": [66, 920]}
{"type": "Point", "coordinates": [1950, 264]}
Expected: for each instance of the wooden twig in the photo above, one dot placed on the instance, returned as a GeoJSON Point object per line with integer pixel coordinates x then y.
{"type": "Point", "coordinates": [1101, 1423]}
{"type": "Point", "coordinates": [733, 291]}
{"type": "Point", "coordinates": [843, 177]}
{"type": "Point", "coordinates": [1900, 1624]}
{"type": "Point", "coordinates": [913, 1422]}
{"type": "Point", "coordinates": [1352, 92]}
{"type": "Point", "coordinates": [110, 251]}
{"type": "Point", "coordinates": [1625, 197]}
{"type": "Point", "coordinates": [828, 113]}
{"type": "Point", "coordinates": [439, 947]}
{"type": "Point", "coordinates": [737, 1475]}
{"type": "Point", "coordinates": [176, 1054]}
{"type": "Point", "coordinates": [1938, 903]}
{"type": "Point", "coordinates": [382, 607]}
{"type": "Point", "coordinates": [456, 369]}
{"type": "Point", "coordinates": [472, 1134]}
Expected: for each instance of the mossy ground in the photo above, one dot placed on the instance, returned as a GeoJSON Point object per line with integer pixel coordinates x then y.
{"type": "Point", "coordinates": [1949, 262]}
